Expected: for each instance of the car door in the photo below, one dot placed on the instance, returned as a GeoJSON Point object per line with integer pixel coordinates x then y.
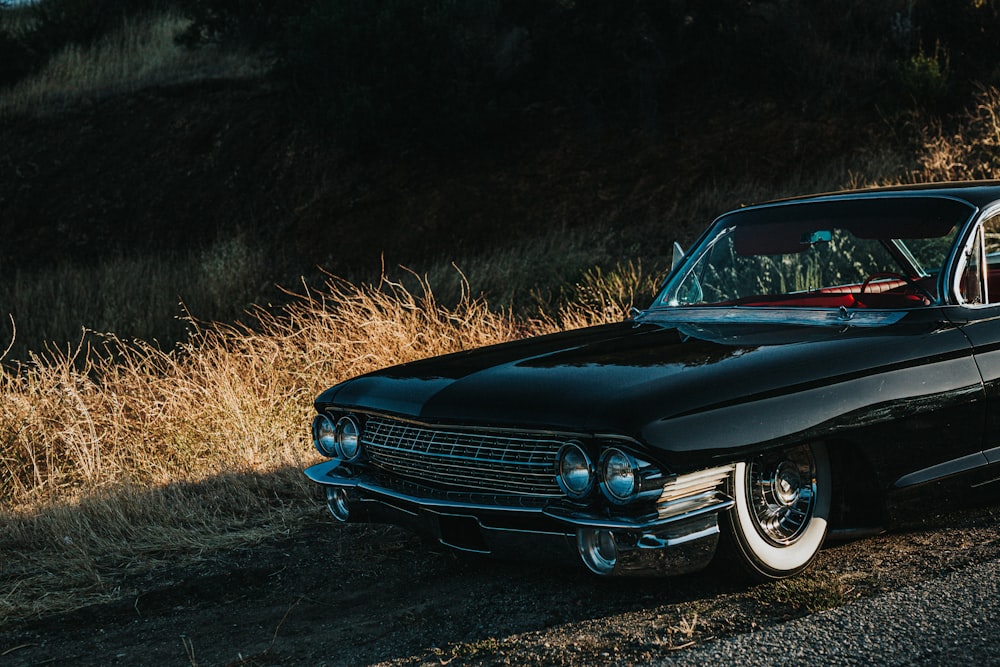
{"type": "Point", "coordinates": [977, 289]}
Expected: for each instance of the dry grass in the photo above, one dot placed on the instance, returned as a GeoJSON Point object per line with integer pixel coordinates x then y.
{"type": "Point", "coordinates": [115, 459]}
{"type": "Point", "coordinates": [142, 53]}
{"type": "Point", "coordinates": [969, 151]}
{"type": "Point", "coordinates": [136, 296]}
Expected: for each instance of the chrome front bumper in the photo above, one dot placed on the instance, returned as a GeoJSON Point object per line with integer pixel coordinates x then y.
{"type": "Point", "coordinates": [531, 528]}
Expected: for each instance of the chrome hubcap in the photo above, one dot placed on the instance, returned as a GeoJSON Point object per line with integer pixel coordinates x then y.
{"type": "Point", "coordinates": [781, 492]}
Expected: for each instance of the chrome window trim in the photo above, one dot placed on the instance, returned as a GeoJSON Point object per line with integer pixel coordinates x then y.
{"type": "Point", "coordinates": [853, 317]}
{"type": "Point", "coordinates": [961, 256]}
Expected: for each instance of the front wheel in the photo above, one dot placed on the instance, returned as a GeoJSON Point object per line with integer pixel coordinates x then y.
{"type": "Point", "coordinates": [779, 521]}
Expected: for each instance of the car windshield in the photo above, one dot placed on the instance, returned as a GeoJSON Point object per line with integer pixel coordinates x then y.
{"type": "Point", "coordinates": [884, 252]}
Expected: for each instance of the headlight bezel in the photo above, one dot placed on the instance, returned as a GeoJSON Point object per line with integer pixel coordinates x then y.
{"type": "Point", "coordinates": [575, 491]}
{"type": "Point", "coordinates": [348, 430]}
{"type": "Point", "coordinates": [324, 435]}
{"type": "Point", "coordinates": [609, 486]}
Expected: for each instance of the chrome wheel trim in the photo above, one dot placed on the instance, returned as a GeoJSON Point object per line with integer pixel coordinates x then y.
{"type": "Point", "coordinates": [763, 557]}
{"type": "Point", "coordinates": [781, 494]}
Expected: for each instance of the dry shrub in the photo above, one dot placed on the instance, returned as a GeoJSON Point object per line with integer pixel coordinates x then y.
{"type": "Point", "coordinates": [970, 151]}
{"type": "Point", "coordinates": [602, 296]}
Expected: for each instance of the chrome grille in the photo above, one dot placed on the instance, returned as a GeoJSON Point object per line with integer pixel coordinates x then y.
{"type": "Point", "coordinates": [481, 461]}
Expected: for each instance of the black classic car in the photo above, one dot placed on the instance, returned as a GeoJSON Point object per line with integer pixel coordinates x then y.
{"type": "Point", "coordinates": [810, 363]}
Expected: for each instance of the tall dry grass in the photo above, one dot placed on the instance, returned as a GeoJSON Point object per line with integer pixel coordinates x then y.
{"type": "Point", "coordinates": [16, 18]}
{"type": "Point", "coordinates": [142, 296]}
{"type": "Point", "coordinates": [967, 150]}
{"type": "Point", "coordinates": [114, 459]}
{"type": "Point", "coordinates": [142, 53]}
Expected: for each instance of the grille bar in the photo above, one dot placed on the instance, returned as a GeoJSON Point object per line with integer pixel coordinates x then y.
{"type": "Point", "coordinates": [477, 461]}
{"type": "Point", "coordinates": [468, 466]}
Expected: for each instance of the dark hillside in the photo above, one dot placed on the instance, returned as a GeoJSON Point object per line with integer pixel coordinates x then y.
{"type": "Point", "coordinates": [416, 131]}
{"type": "Point", "coordinates": [420, 129]}
{"type": "Point", "coordinates": [179, 167]}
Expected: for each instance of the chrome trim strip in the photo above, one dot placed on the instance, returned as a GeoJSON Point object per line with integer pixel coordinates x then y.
{"type": "Point", "coordinates": [941, 470]}
{"type": "Point", "coordinates": [691, 492]}
{"type": "Point", "coordinates": [651, 541]}
{"type": "Point", "coordinates": [320, 472]}
{"type": "Point", "coordinates": [721, 503]}
{"type": "Point", "coordinates": [695, 483]}
{"type": "Point", "coordinates": [674, 316]}
{"type": "Point", "coordinates": [324, 473]}
{"type": "Point", "coordinates": [685, 506]}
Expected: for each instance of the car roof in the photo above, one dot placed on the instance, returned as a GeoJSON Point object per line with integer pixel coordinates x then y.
{"type": "Point", "coordinates": [976, 193]}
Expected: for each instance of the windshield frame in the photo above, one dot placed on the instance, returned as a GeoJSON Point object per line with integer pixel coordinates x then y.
{"type": "Point", "coordinates": [960, 211]}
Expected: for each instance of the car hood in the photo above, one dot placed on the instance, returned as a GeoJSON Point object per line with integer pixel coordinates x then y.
{"type": "Point", "coordinates": [646, 381]}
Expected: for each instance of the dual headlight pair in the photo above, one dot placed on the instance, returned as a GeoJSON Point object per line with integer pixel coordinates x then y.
{"type": "Point", "coordinates": [617, 471]}
{"type": "Point", "coordinates": [341, 439]}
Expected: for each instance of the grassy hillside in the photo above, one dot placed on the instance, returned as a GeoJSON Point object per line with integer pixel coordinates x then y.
{"type": "Point", "coordinates": [155, 397]}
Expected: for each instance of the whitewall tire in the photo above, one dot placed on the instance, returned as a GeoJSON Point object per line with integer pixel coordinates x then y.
{"type": "Point", "coordinates": [779, 521]}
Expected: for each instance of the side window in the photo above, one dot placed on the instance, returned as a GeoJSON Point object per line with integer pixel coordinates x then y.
{"type": "Point", "coordinates": [980, 282]}
{"type": "Point", "coordinates": [991, 246]}
{"type": "Point", "coordinates": [971, 286]}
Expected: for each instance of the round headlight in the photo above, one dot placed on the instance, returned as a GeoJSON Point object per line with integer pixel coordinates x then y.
{"type": "Point", "coordinates": [324, 435]}
{"type": "Point", "coordinates": [618, 473]}
{"type": "Point", "coordinates": [576, 474]}
{"type": "Point", "coordinates": [348, 439]}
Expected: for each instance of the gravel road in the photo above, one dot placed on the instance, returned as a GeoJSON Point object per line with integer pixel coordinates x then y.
{"type": "Point", "coordinates": [951, 620]}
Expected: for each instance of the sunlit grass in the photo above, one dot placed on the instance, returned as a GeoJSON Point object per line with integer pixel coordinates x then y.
{"type": "Point", "coordinates": [121, 455]}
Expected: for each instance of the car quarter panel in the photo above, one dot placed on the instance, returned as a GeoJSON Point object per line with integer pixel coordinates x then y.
{"type": "Point", "coordinates": [982, 326]}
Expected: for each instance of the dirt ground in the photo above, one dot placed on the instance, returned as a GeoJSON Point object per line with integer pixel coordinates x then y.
{"type": "Point", "coordinates": [356, 595]}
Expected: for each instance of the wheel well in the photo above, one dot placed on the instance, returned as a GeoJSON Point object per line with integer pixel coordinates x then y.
{"type": "Point", "coordinates": [857, 503]}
